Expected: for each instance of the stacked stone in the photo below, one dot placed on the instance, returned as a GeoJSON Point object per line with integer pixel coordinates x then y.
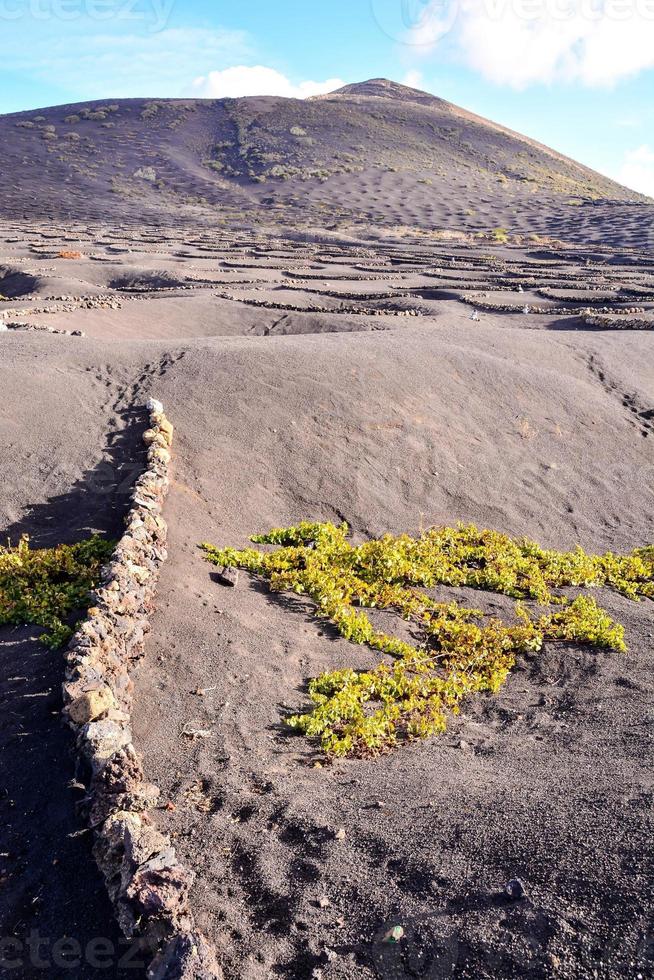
{"type": "Point", "coordinates": [619, 322]}
{"type": "Point", "coordinates": [148, 886]}
{"type": "Point", "coordinates": [489, 307]}
{"type": "Point", "coordinates": [32, 328]}
{"type": "Point", "coordinates": [289, 308]}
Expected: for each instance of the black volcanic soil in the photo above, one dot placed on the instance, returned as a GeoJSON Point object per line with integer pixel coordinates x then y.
{"type": "Point", "coordinates": [53, 901]}
{"type": "Point", "coordinates": [330, 379]}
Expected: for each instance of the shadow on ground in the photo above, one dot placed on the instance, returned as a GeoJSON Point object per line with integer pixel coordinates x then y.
{"type": "Point", "coordinates": [55, 917]}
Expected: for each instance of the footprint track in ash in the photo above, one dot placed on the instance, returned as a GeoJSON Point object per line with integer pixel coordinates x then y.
{"type": "Point", "coordinates": [125, 395]}
{"type": "Point", "coordinates": [640, 416]}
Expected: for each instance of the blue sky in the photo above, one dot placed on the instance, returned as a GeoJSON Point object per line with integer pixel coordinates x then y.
{"type": "Point", "coordinates": [576, 74]}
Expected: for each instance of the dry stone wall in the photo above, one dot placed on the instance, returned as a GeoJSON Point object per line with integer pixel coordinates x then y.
{"type": "Point", "coordinates": [620, 322]}
{"type": "Point", "coordinates": [148, 886]}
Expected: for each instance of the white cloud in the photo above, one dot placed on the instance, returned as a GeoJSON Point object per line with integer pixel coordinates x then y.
{"type": "Point", "coordinates": [139, 65]}
{"type": "Point", "coordinates": [414, 79]}
{"type": "Point", "coordinates": [629, 122]}
{"type": "Point", "coordinates": [256, 80]}
{"type": "Point", "coordinates": [521, 42]}
{"type": "Point", "coordinates": [637, 171]}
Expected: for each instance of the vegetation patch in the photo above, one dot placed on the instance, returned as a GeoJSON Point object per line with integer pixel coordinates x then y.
{"type": "Point", "coordinates": [500, 235]}
{"type": "Point", "coordinates": [146, 173]}
{"type": "Point", "coordinates": [45, 586]}
{"type": "Point", "coordinates": [456, 651]}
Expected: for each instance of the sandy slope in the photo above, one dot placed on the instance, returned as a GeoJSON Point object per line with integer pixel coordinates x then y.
{"type": "Point", "coordinates": [528, 423]}
{"type": "Point", "coordinates": [375, 153]}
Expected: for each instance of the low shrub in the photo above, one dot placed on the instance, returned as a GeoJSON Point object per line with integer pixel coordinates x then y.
{"type": "Point", "coordinates": [151, 109]}
{"type": "Point", "coordinates": [95, 115]}
{"type": "Point", "coordinates": [45, 586]}
{"type": "Point", "coordinates": [146, 173]}
{"type": "Point", "coordinates": [456, 650]}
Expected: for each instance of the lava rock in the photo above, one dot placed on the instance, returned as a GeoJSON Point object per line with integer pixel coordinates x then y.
{"type": "Point", "coordinates": [515, 889]}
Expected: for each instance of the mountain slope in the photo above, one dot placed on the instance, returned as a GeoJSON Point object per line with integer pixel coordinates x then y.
{"type": "Point", "coordinates": [376, 152]}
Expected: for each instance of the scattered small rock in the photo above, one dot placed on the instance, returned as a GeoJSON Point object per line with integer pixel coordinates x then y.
{"type": "Point", "coordinates": [228, 576]}
{"type": "Point", "coordinates": [195, 733]}
{"type": "Point", "coordinates": [515, 889]}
